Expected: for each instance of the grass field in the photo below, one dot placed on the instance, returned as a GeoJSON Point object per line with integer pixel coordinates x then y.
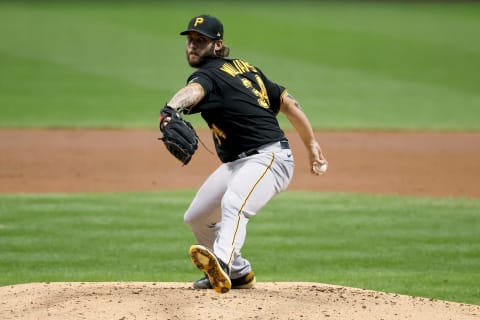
{"type": "Point", "coordinates": [352, 65]}
{"type": "Point", "coordinates": [417, 246]}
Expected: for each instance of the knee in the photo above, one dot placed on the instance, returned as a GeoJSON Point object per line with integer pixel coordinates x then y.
{"type": "Point", "coordinates": [233, 204]}
{"type": "Point", "coordinates": [190, 218]}
{"type": "Point", "coordinates": [195, 217]}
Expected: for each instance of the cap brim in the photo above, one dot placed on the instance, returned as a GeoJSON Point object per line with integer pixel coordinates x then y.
{"type": "Point", "coordinates": [184, 33]}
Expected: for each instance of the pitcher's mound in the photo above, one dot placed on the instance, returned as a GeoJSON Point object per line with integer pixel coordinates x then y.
{"type": "Point", "coordinates": [173, 300]}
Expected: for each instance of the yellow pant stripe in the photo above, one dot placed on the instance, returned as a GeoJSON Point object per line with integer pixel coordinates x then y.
{"type": "Point", "coordinates": [245, 202]}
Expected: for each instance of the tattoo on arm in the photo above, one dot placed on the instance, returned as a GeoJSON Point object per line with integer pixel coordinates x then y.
{"type": "Point", "coordinates": [294, 101]}
{"type": "Point", "coordinates": [187, 97]}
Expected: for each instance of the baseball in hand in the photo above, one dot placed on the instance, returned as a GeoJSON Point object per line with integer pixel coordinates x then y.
{"type": "Point", "coordinates": [320, 168]}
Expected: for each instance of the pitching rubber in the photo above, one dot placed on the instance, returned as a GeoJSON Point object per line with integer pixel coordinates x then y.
{"type": "Point", "coordinates": [206, 261]}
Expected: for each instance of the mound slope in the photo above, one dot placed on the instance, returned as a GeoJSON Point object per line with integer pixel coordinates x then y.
{"type": "Point", "coordinates": [173, 300]}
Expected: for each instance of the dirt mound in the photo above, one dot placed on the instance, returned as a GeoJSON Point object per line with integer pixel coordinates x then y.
{"type": "Point", "coordinates": [274, 300]}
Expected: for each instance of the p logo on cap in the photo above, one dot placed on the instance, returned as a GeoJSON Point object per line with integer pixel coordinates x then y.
{"type": "Point", "coordinates": [198, 21]}
{"type": "Point", "coordinates": [207, 25]}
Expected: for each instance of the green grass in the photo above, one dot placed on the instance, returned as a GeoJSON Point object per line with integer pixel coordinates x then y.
{"type": "Point", "coordinates": [416, 246]}
{"type": "Point", "coordinates": [352, 65]}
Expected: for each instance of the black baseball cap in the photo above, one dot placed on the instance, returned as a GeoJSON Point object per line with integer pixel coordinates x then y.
{"type": "Point", "coordinates": [207, 25]}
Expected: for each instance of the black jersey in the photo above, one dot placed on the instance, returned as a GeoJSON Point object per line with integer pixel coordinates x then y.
{"type": "Point", "coordinates": [240, 106]}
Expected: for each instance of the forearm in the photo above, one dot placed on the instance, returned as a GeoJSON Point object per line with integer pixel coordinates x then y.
{"type": "Point", "coordinates": [302, 125]}
{"type": "Point", "coordinates": [187, 97]}
{"type": "Point", "coordinates": [295, 115]}
{"type": "Point", "coordinates": [291, 108]}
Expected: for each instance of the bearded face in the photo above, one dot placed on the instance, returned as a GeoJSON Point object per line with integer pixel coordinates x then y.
{"type": "Point", "coordinates": [199, 49]}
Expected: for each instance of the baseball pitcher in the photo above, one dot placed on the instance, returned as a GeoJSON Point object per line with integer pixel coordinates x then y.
{"type": "Point", "coordinates": [240, 105]}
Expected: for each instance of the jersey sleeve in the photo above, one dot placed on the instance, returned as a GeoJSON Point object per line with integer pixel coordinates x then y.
{"type": "Point", "coordinates": [203, 80]}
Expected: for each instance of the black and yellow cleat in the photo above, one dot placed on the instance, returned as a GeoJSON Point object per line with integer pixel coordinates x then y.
{"type": "Point", "coordinates": [215, 269]}
{"type": "Point", "coordinates": [246, 282]}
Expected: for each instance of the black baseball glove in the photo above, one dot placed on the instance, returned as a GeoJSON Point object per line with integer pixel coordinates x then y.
{"type": "Point", "coordinates": [179, 137]}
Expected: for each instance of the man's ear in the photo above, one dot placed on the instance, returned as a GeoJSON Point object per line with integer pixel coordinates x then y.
{"type": "Point", "coordinates": [218, 45]}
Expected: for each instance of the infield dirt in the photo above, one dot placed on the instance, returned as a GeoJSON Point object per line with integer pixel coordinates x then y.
{"type": "Point", "coordinates": [408, 163]}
